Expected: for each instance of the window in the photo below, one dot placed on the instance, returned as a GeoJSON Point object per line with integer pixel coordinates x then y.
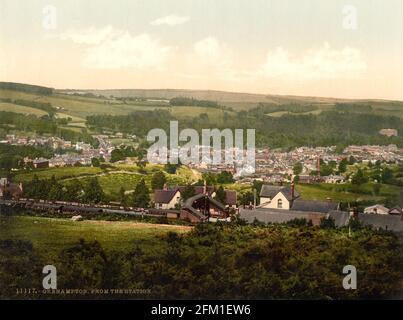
{"type": "Point", "coordinates": [279, 203]}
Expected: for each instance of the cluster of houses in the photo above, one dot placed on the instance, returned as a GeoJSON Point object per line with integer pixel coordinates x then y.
{"type": "Point", "coordinates": [53, 142]}
{"type": "Point", "coordinates": [278, 204]}
{"type": "Point", "coordinates": [282, 204]}
{"type": "Point", "coordinates": [373, 153]}
{"type": "Point", "coordinates": [83, 155]}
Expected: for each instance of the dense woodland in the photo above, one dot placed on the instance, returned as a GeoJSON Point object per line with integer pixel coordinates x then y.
{"type": "Point", "coordinates": [231, 261]}
{"type": "Point", "coordinates": [331, 127]}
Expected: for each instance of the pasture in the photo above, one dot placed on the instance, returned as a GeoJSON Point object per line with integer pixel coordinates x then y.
{"type": "Point", "coordinates": [51, 235]}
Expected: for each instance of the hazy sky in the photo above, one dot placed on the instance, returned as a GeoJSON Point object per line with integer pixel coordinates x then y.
{"type": "Point", "coordinates": [333, 48]}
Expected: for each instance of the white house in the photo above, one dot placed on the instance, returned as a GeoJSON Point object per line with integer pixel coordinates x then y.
{"type": "Point", "coordinates": [277, 197]}
{"type": "Point", "coordinates": [376, 209]}
{"type": "Point", "coordinates": [166, 199]}
{"type": "Point", "coordinates": [287, 198]}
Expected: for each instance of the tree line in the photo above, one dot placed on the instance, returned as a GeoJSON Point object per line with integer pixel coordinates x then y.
{"type": "Point", "coordinates": [332, 127]}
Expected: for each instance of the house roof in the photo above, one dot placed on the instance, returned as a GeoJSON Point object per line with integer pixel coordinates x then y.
{"type": "Point", "coordinates": [384, 221]}
{"type": "Point", "coordinates": [268, 215]}
{"type": "Point", "coordinates": [189, 202]}
{"type": "Point", "coordinates": [314, 206]}
{"type": "Point", "coordinates": [164, 196]}
{"type": "Point", "coordinates": [396, 210]}
{"type": "Point", "coordinates": [199, 189]}
{"type": "Point", "coordinates": [230, 197]}
{"type": "Point", "coordinates": [14, 189]}
{"type": "Point", "coordinates": [40, 160]}
{"type": "Point", "coordinates": [378, 207]}
{"type": "Point", "coordinates": [269, 191]}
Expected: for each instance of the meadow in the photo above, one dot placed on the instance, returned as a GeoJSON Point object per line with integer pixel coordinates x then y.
{"type": "Point", "coordinates": [51, 235]}
{"type": "Point", "coordinates": [11, 107]}
{"type": "Point", "coordinates": [112, 178]}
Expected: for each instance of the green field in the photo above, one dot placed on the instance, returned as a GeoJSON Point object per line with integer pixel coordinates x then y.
{"type": "Point", "coordinates": [59, 173]}
{"type": "Point", "coordinates": [111, 179]}
{"type": "Point", "coordinates": [334, 192]}
{"type": "Point", "coordinates": [10, 107]}
{"type": "Point", "coordinates": [341, 192]}
{"type": "Point", "coordinates": [50, 235]}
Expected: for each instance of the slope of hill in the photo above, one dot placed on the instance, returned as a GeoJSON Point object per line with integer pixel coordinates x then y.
{"type": "Point", "coordinates": [244, 101]}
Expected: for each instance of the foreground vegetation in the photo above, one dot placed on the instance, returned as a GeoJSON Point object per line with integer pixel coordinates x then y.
{"type": "Point", "coordinates": [209, 261]}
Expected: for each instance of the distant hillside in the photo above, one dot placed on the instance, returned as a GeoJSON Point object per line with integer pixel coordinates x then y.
{"type": "Point", "coordinates": [26, 88]}
{"type": "Point", "coordinates": [81, 103]}
{"type": "Point", "coordinates": [212, 95]}
{"type": "Point", "coordinates": [238, 100]}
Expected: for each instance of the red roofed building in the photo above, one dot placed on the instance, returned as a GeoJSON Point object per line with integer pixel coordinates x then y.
{"type": "Point", "coordinates": [171, 198]}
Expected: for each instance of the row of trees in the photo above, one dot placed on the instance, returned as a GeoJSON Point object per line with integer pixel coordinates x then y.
{"type": "Point", "coordinates": [89, 192]}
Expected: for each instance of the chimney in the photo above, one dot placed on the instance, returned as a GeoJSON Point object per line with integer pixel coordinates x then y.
{"type": "Point", "coordinates": [205, 187]}
{"type": "Point", "coordinates": [165, 187]}
{"type": "Point", "coordinates": [292, 189]}
{"type": "Point", "coordinates": [355, 212]}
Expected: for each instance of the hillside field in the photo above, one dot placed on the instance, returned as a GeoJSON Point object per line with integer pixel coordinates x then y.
{"type": "Point", "coordinates": [50, 235]}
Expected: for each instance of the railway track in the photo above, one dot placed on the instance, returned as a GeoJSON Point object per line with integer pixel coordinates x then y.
{"type": "Point", "coordinates": [78, 208]}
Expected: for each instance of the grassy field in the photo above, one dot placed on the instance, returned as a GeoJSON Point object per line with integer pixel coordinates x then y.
{"type": "Point", "coordinates": [335, 192]}
{"type": "Point", "coordinates": [111, 179]}
{"type": "Point", "coordinates": [59, 173]}
{"type": "Point", "coordinates": [50, 235]}
{"type": "Point", "coordinates": [342, 192]}
{"type": "Point", "coordinates": [21, 109]}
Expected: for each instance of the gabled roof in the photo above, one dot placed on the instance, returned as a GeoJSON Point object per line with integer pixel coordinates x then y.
{"type": "Point", "coordinates": [199, 189]}
{"type": "Point", "coordinates": [396, 210]}
{"type": "Point", "coordinates": [314, 206]}
{"type": "Point", "coordinates": [378, 207]}
{"type": "Point", "coordinates": [269, 191]}
{"type": "Point", "coordinates": [268, 215]}
{"type": "Point", "coordinates": [189, 205]}
{"type": "Point", "coordinates": [164, 196]}
{"type": "Point", "coordinates": [189, 202]}
{"type": "Point", "coordinates": [230, 197]}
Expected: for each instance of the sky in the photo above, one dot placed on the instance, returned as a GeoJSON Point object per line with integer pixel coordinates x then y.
{"type": "Point", "coordinates": [333, 48]}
